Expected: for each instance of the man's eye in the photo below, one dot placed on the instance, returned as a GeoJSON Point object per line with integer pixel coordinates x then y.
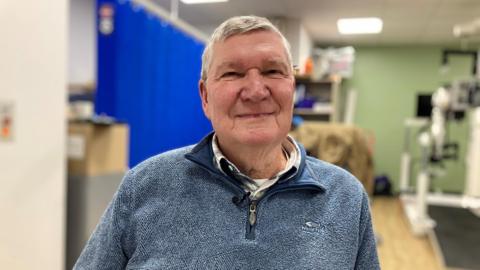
{"type": "Point", "coordinates": [230, 74]}
{"type": "Point", "coordinates": [273, 72]}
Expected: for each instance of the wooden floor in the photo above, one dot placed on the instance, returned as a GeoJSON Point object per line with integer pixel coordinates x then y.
{"type": "Point", "coordinates": [398, 249]}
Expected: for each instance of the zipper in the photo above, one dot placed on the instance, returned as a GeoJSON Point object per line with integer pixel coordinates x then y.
{"type": "Point", "coordinates": [253, 209]}
{"type": "Point", "coordinates": [252, 213]}
{"type": "Point", "coordinates": [252, 220]}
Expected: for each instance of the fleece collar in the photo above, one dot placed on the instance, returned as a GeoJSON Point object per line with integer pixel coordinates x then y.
{"type": "Point", "coordinates": [304, 177]}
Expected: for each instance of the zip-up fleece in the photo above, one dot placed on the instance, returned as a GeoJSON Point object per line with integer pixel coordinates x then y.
{"type": "Point", "coordinates": [178, 211]}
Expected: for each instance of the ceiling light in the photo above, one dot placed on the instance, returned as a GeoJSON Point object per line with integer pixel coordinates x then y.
{"type": "Point", "coordinates": [352, 26]}
{"type": "Point", "coordinates": [202, 1]}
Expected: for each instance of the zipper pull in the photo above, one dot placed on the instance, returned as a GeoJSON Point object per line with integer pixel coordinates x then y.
{"type": "Point", "coordinates": [252, 216]}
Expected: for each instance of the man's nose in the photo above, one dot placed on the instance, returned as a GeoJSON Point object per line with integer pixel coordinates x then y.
{"type": "Point", "coordinates": [254, 87]}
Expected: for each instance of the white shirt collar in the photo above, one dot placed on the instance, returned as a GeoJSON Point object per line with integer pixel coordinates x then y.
{"type": "Point", "coordinates": [257, 188]}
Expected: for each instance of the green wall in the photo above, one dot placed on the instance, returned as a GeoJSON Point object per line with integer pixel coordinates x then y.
{"type": "Point", "coordinates": [387, 80]}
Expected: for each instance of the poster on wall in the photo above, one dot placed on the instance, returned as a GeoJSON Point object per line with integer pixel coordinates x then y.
{"type": "Point", "coordinates": [6, 120]}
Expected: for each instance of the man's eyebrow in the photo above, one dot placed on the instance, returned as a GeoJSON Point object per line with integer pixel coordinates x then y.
{"type": "Point", "coordinates": [229, 64]}
{"type": "Point", "coordinates": [266, 62]}
{"type": "Point", "coordinates": [276, 62]}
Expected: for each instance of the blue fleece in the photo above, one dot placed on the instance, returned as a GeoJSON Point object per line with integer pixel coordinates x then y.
{"type": "Point", "coordinates": [177, 211]}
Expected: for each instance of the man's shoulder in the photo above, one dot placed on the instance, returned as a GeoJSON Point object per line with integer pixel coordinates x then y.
{"type": "Point", "coordinates": [323, 167]}
{"type": "Point", "coordinates": [162, 163]}
{"type": "Point", "coordinates": [332, 176]}
{"type": "Point", "coordinates": [165, 159]}
{"type": "Point", "coordinates": [158, 171]}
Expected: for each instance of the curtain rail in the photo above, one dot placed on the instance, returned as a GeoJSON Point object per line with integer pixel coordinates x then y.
{"type": "Point", "coordinates": [162, 13]}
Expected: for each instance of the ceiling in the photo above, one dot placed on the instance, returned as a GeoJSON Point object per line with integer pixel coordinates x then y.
{"type": "Point", "coordinates": [406, 22]}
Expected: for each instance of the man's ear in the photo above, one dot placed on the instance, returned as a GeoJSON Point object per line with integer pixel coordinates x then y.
{"type": "Point", "coordinates": [204, 96]}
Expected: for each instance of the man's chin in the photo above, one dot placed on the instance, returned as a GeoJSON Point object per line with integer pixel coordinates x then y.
{"type": "Point", "coordinates": [258, 138]}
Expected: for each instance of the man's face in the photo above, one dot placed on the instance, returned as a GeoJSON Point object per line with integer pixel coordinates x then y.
{"type": "Point", "coordinates": [248, 94]}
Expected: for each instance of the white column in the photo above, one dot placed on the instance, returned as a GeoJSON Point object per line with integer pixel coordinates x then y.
{"type": "Point", "coordinates": [33, 71]}
{"type": "Point", "coordinates": [472, 186]}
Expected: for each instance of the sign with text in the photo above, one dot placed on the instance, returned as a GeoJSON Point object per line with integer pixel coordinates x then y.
{"type": "Point", "coordinates": [6, 120]}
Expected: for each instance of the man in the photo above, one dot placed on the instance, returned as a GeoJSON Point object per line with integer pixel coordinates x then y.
{"type": "Point", "coordinates": [246, 196]}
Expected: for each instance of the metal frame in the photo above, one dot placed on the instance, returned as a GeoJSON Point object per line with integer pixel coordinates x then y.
{"type": "Point", "coordinates": [172, 18]}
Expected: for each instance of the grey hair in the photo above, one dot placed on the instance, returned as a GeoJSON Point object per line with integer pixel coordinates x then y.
{"type": "Point", "coordinates": [237, 26]}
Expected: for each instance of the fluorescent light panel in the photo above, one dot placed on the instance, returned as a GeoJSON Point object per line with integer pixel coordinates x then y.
{"type": "Point", "coordinates": [353, 26]}
{"type": "Point", "coordinates": [202, 1]}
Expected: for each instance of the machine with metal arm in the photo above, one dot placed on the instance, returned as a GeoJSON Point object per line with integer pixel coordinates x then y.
{"type": "Point", "coordinates": [448, 103]}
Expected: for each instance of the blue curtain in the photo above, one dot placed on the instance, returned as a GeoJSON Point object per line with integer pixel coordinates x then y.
{"type": "Point", "coordinates": [148, 72]}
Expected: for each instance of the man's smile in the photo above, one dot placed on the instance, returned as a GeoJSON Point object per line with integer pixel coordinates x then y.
{"type": "Point", "coordinates": [254, 115]}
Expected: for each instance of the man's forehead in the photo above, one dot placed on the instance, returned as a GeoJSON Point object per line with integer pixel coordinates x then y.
{"type": "Point", "coordinates": [274, 38]}
{"type": "Point", "coordinates": [224, 56]}
{"type": "Point", "coordinates": [248, 33]}
{"type": "Point", "coordinates": [239, 62]}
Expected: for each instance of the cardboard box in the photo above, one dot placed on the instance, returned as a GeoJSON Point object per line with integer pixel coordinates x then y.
{"type": "Point", "coordinates": [96, 149]}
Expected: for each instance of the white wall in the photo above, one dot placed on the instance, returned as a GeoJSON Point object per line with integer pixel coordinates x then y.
{"type": "Point", "coordinates": [206, 29]}
{"type": "Point", "coordinates": [305, 47]}
{"type": "Point", "coordinates": [33, 68]}
{"type": "Point", "coordinates": [82, 36]}
{"type": "Point", "coordinates": [299, 39]}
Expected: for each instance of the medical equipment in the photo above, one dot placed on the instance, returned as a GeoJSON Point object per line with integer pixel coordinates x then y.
{"type": "Point", "coordinates": [448, 103]}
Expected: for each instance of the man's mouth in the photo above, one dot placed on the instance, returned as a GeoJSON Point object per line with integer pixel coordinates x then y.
{"type": "Point", "coordinates": [254, 115]}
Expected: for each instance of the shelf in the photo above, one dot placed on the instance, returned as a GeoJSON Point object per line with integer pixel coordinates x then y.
{"type": "Point", "coordinates": [324, 110]}
{"type": "Point", "coordinates": [323, 92]}
{"type": "Point", "coordinates": [81, 88]}
{"type": "Point", "coordinates": [81, 91]}
{"type": "Point", "coordinates": [308, 79]}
